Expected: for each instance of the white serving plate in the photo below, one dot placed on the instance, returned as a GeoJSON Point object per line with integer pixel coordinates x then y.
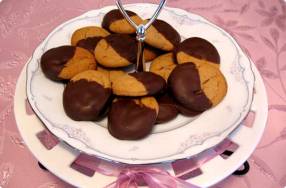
{"type": "Point", "coordinates": [180, 138]}
{"type": "Point", "coordinates": [215, 170]}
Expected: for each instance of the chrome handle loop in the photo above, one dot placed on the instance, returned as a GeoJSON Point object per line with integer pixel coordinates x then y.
{"type": "Point", "coordinates": [140, 31]}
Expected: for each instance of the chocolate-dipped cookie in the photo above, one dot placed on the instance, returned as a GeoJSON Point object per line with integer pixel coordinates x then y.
{"type": "Point", "coordinates": [86, 95]}
{"type": "Point", "coordinates": [111, 73]}
{"type": "Point", "coordinates": [167, 108]}
{"type": "Point", "coordinates": [138, 84]}
{"type": "Point", "coordinates": [64, 62]}
{"type": "Point", "coordinates": [132, 119]}
{"type": "Point", "coordinates": [116, 23]}
{"type": "Point", "coordinates": [186, 111]}
{"type": "Point", "coordinates": [198, 51]}
{"type": "Point", "coordinates": [162, 35]}
{"type": "Point", "coordinates": [89, 43]}
{"type": "Point", "coordinates": [88, 36]}
{"type": "Point", "coordinates": [116, 50]}
{"type": "Point", "coordinates": [197, 88]}
{"type": "Point", "coordinates": [114, 75]}
{"type": "Point", "coordinates": [163, 65]}
{"type": "Point", "coordinates": [151, 53]}
{"type": "Point", "coordinates": [213, 83]}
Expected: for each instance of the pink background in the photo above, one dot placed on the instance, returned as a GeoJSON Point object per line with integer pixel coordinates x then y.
{"type": "Point", "coordinates": [259, 26]}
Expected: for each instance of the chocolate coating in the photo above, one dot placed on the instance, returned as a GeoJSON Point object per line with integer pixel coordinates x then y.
{"type": "Point", "coordinates": [185, 111]}
{"type": "Point", "coordinates": [105, 110]}
{"type": "Point", "coordinates": [89, 43]}
{"type": "Point", "coordinates": [166, 113]}
{"type": "Point", "coordinates": [124, 45]}
{"type": "Point", "coordinates": [152, 82]}
{"type": "Point", "coordinates": [167, 108]}
{"type": "Point", "coordinates": [84, 100]}
{"type": "Point", "coordinates": [155, 50]}
{"type": "Point", "coordinates": [54, 60]}
{"type": "Point", "coordinates": [199, 48]}
{"type": "Point", "coordinates": [167, 31]}
{"type": "Point", "coordinates": [184, 82]}
{"type": "Point", "coordinates": [113, 16]}
{"type": "Point", "coordinates": [130, 121]}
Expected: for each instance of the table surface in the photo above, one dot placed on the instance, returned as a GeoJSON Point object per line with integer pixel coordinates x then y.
{"type": "Point", "coordinates": [258, 25]}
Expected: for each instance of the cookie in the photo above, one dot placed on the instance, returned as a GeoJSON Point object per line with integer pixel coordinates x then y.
{"type": "Point", "coordinates": [103, 70]}
{"type": "Point", "coordinates": [86, 95]}
{"type": "Point", "coordinates": [162, 35]}
{"type": "Point", "coordinates": [167, 108]}
{"type": "Point", "coordinates": [64, 62]}
{"type": "Point", "coordinates": [114, 75]}
{"type": "Point", "coordinates": [151, 53]}
{"type": "Point", "coordinates": [111, 73]}
{"type": "Point", "coordinates": [213, 83]}
{"type": "Point", "coordinates": [87, 33]}
{"type": "Point", "coordinates": [132, 119]}
{"type": "Point", "coordinates": [116, 50]}
{"type": "Point", "coordinates": [186, 111]}
{"type": "Point", "coordinates": [198, 51]}
{"type": "Point", "coordinates": [116, 23]}
{"type": "Point", "coordinates": [138, 84]}
{"type": "Point", "coordinates": [163, 65]}
{"type": "Point", "coordinates": [89, 43]}
{"type": "Point", "coordinates": [197, 88]}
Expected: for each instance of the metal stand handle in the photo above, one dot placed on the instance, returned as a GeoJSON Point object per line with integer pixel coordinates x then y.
{"type": "Point", "coordinates": [140, 31]}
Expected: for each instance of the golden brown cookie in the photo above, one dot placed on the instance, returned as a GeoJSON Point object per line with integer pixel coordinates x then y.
{"type": "Point", "coordinates": [85, 97]}
{"type": "Point", "coordinates": [138, 84]}
{"type": "Point", "coordinates": [114, 75]}
{"type": "Point", "coordinates": [162, 35]}
{"type": "Point", "coordinates": [132, 119]}
{"type": "Point", "coordinates": [197, 88]}
{"type": "Point", "coordinates": [213, 83]}
{"type": "Point", "coordinates": [103, 70]}
{"type": "Point", "coordinates": [198, 51]}
{"type": "Point", "coordinates": [64, 62]}
{"type": "Point", "coordinates": [116, 50]}
{"type": "Point", "coordinates": [116, 23]}
{"type": "Point", "coordinates": [163, 65]}
{"type": "Point", "coordinates": [87, 32]}
{"type": "Point", "coordinates": [93, 76]}
{"type": "Point", "coordinates": [111, 74]}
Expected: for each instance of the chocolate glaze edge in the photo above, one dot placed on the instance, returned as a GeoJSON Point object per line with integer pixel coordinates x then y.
{"type": "Point", "coordinates": [167, 31]}
{"type": "Point", "coordinates": [199, 48]}
{"type": "Point", "coordinates": [89, 43]}
{"type": "Point", "coordinates": [189, 94]}
{"type": "Point", "coordinates": [124, 45]}
{"type": "Point", "coordinates": [54, 60]}
{"type": "Point", "coordinates": [113, 16]}
{"type": "Point", "coordinates": [152, 82]}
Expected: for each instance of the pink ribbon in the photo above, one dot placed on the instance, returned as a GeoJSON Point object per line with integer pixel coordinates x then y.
{"type": "Point", "coordinates": [185, 167]}
{"type": "Point", "coordinates": [48, 139]}
{"type": "Point", "coordinates": [150, 176]}
{"type": "Point", "coordinates": [130, 176]}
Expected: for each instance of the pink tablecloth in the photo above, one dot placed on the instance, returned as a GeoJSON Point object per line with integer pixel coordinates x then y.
{"type": "Point", "coordinates": [258, 25]}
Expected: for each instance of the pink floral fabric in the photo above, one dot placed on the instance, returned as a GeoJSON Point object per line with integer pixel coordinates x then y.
{"type": "Point", "coordinates": [258, 25]}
